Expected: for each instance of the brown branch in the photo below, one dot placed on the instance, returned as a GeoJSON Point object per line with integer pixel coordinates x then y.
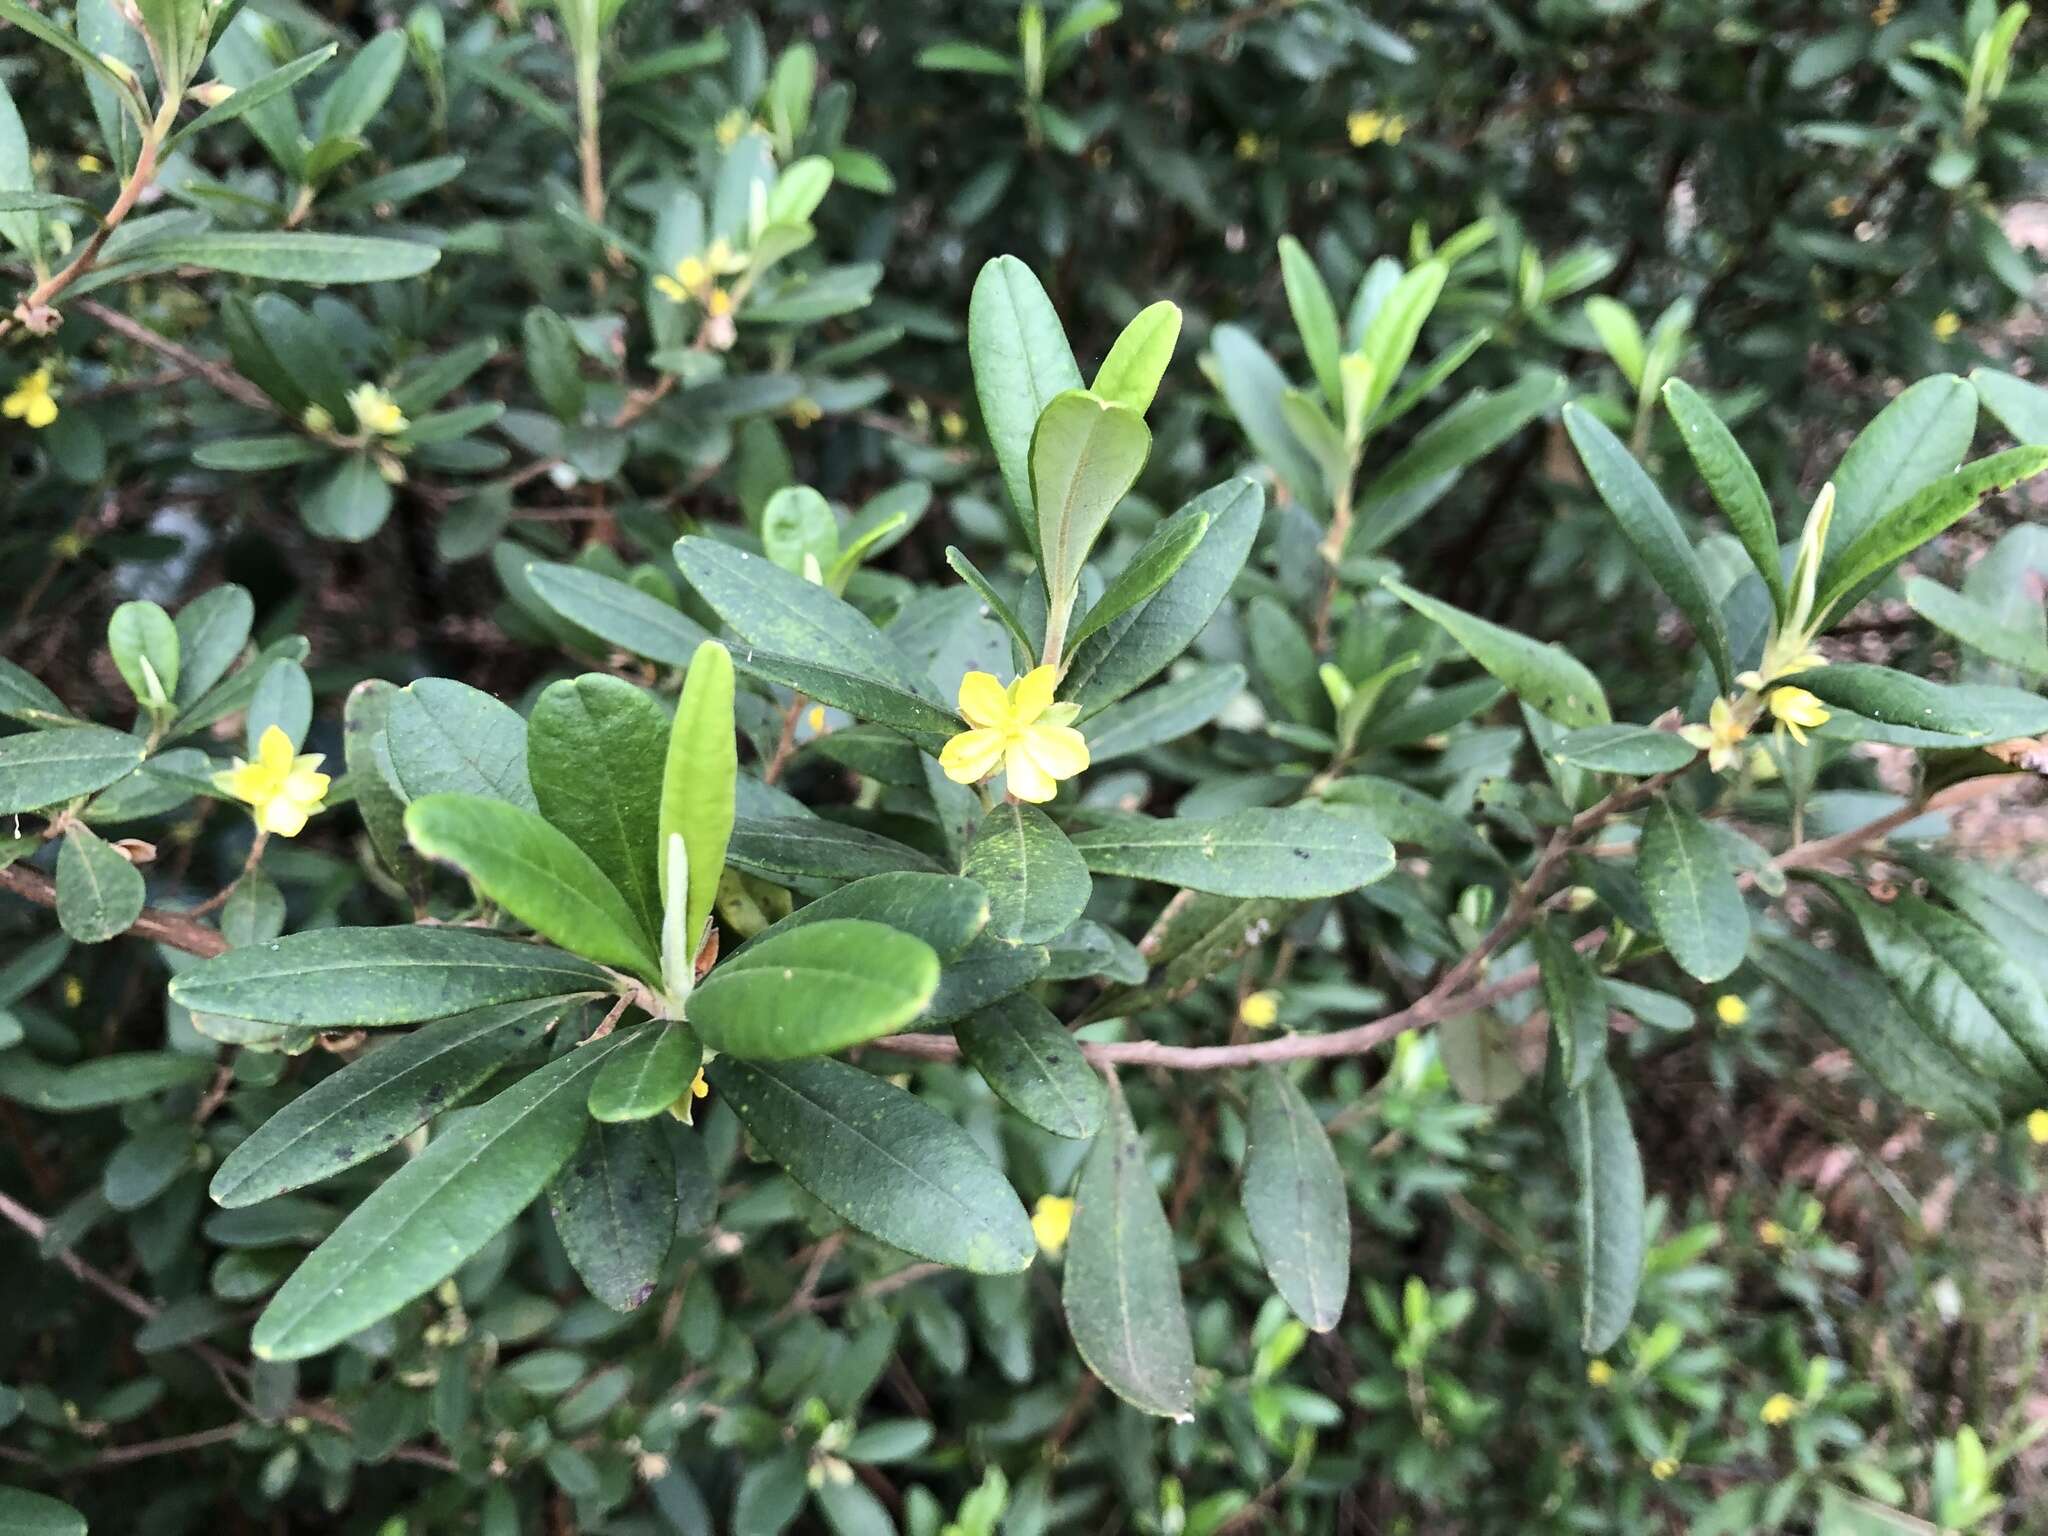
{"type": "Point", "coordinates": [177, 929]}
{"type": "Point", "coordinates": [219, 375]}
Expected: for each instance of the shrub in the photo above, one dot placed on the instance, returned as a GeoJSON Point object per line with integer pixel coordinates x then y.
{"type": "Point", "coordinates": [675, 876]}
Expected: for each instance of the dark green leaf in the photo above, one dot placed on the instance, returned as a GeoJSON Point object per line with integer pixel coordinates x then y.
{"type": "Point", "coordinates": [812, 848]}
{"type": "Point", "coordinates": [1692, 893]}
{"type": "Point", "coordinates": [41, 768]}
{"type": "Point", "coordinates": [647, 1074]}
{"type": "Point", "coordinates": [614, 1207]}
{"type": "Point", "coordinates": [815, 989]}
{"type": "Point", "coordinates": [946, 911]}
{"type": "Point", "coordinates": [1963, 711]}
{"type": "Point", "coordinates": [1733, 481]}
{"type": "Point", "coordinates": [594, 750]}
{"type": "Point", "coordinates": [1299, 853]}
{"type": "Point", "coordinates": [1021, 360]}
{"type": "Point", "coordinates": [618, 613]}
{"type": "Point", "coordinates": [445, 737]}
{"type": "Point", "coordinates": [1547, 678]}
{"type": "Point", "coordinates": [1036, 883]}
{"type": "Point", "coordinates": [1638, 750]}
{"type": "Point", "coordinates": [1577, 1004]}
{"type": "Point", "coordinates": [1294, 1201]}
{"type": "Point", "coordinates": [1609, 1174]}
{"type": "Point", "coordinates": [1034, 1066]}
{"type": "Point", "coordinates": [99, 893]}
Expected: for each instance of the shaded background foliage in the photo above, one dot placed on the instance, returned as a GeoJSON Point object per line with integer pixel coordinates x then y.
{"type": "Point", "coordinates": [1834, 217]}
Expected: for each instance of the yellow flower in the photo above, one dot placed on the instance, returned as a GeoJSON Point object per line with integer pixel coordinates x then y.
{"type": "Point", "coordinates": [1249, 145]}
{"type": "Point", "coordinates": [1798, 711]}
{"type": "Point", "coordinates": [1779, 1408]}
{"type": "Point", "coordinates": [2037, 1126]}
{"type": "Point", "coordinates": [1365, 128]}
{"type": "Point", "coordinates": [1019, 729]}
{"type": "Point", "coordinates": [282, 789]}
{"type": "Point", "coordinates": [953, 425]}
{"type": "Point", "coordinates": [74, 991]}
{"type": "Point", "coordinates": [1397, 125]}
{"type": "Point", "coordinates": [803, 410]}
{"type": "Point", "coordinates": [1261, 1010]}
{"type": "Point", "coordinates": [1841, 207]}
{"type": "Point", "coordinates": [1946, 324]}
{"type": "Point", "coordinates": [816, 718]}
{"type": "Point", "coordinates": [731, 126]}
{"type": "Point", "coordinates": [1664, 1468]}
{"type": "Point", "coordinates": [1720, 738]}
{"type": "Point", "coordinates": [375, 411]}
{"type": "Point", "coordinates": [690, 278]}
{"type": "Point", "coordinates": [1051, 1219]}
{"type": "Point", "coordinates": [318, 419]}
{"type": "Point", "coordinates": [1598, 1373]}
{"type": "Point", "coordinates": [1770, 1234]}
{"type": "Point", "coordinates": [92, 165]}
{"type": "Point", "coordinates": [1731, 1010]}
{"type": "Point", "coordinates": [32, 400]}
{"type": "Point", "coordinates": [718, 303]}
{"type": "Point", "coordinates": [686, 1101]}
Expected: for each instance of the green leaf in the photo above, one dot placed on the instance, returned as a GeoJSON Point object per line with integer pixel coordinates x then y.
{"type": "Point", "coordinates": [946, 911]}
{"type": "Point", "coordinates": [1733, 481]}
{"type": "Point", "coordinates": [1577, 1004]}
{"type": "Point", "coordinates": [1021, 360]}
{"type": "Point", "coordinates": [45, 767]}
{"type": "Point", "coordinates": [284, 698]}
{"type": "Point", "coordinates": [1967, 712]}
{"type": "Point", "coordinates": [1419, 475]}
{"type": "Point", "coordinates": [1132, 649]}
{"type": "Point", "coordinates": [1911, 521]}
{"type": "Point", "coordinates": [212, 630]}
{"type": "Point", "coordinates": [144, 644]}
{"type": "Point", "coordinates": [1163, 714]}
{"type": "Point", "coordinates": [249, 97]}
{"type": "Point", "coordinates": [25, 699]}
{"type": "Point", "coordinates": [2020, 406]}
{"type": "Point", "coordinates": [618, 613]}
{"type": "Point", "coordinates": [340, 978]}
{"type": "Point", "coordinates": [290, 257]}
{"type": "Point", "coordinates": [1692, 893]}
{"type": "Point", "coordinates": [1855, 1007]}
{"type": "Point", "coordinates": [353, 99]}
{"type": "Point", "coordinates": [1620, 334]}
{"type": "Point", "coordinates": [363, 720]}
{"type": "Point", "coordinates": [1034, 1066]}
{"type": "Point", "coordinates": [1294, 1201]}
{"type": "Point", "coordinates": [814, 989]}
{"type": "Point", "coordinates": [614, 1208]}
{"type": "Point", "coordinates": [1917, 439]}
{"type": "Point", "coordinates": [1315, 317]}
{"type": "Point", "coordinates": [445, 737]}
{"type": "Point", "coordinates": [1390, 336]}
{"type": "Point", "coordinates": [1149, 569]}
{"type": "Point", "coordinates": [967, 58]}
{"type": "Point", "coordinates": [2011, 911]}
{"type": "Point", "coordinates": [698, 782]}
{"type": "Point", "coordinates": [773, 611]}
{"type": "Point", "coordinates": [647, 1074]}
{"type": "Point", "coordinates": [1131, 373]}
{"type": "Point", "coordinates": [1653, 531]}
{"type": "Point", "coordinates": [594, 750]}
{"type": "Point", "coordinates": [1085, 457]}
{"type": "Point", "coordinates": [348, 501]}
{"type": "Point", "coordinates": [1037, 884]}
{"type": "Point", "coordinates": [1639, 750]}
{"type": "Point", "coordinates": [99, 893]}
{"type": "Point", "coordinates": [1402, 813]}
{"type": "Point", "coordinates": [998, 608]}
{"type": "Point", "coordinates": [1300, 853]}
{"type": "Point", "coordinates": [1977, 625]}
{"type": "Point", "coordinates": [800, 848]}
{"type": "Point", "coordinates": [1254, 388]}
{"type": "Point", "coordinates": [424, 1222]}
{"type": "Point", "coordinates": [378, 1099]}
{"type": "Point", "coordinates": [887, 1162]}
{"type": "Point", "coordinates": [1548, 678]}
{"type": "Point", "coordinates": [855, 692]}
{"type": "Point", "coordinates": [36, 25]}
{"type": "Point", "coordinates": [23, 1513]}
{"type": "Point", "coordinates": [798, 522]}
{"type": "Point", "coordinates": [517, 860]}
{"type": "Point", "coordinates": [1122, 1286]}
{"type": "Point", "coordinates": [100, 1083]}
{"type": "Point", "coordinates": [1608, 1172]}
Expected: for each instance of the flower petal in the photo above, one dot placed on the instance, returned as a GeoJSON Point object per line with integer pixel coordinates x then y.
{"type": "Point", "coordinates": [283, 818]}
{"type": "Point", "coordinates": [971, 756]}
{"type": "Point", "coordinates": [274, 751]}
{"type": "Point", "coordinates": [1027, 780]}
{"type": "Point", "coordinates": [1060, 750]}
{"type": "Point", "coordinates": [1031, 694]}
{"type": "Point", "coordinates": [983, 700]}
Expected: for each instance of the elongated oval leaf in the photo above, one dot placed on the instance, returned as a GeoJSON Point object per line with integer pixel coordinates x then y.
{"type": "Point", "coordinates": [1639, 750]}
{"type": "Point", "coordinates": [946, 911]}
{"type": "Point", "coordinates": [26, 1513]}
{"type": "Point", "coordinates": [1294, 1201]}
{"type": "Point", "coordinates": [1085, 457]}
{"type": "Point", "coordinates": [1978, 626]}
{"type": "Point", "coordinates": [1255, 389]}
{"type": "Point", "coordinates": [1315, 317]}
{"type": "Point", "coordinates": [1034, 1066]}
{"type": "Point", "coordinates": [699, 781]}
{"type": "Point", "coordinates": [1300, 853]}
{"type": "Point", "coordinates": [1608, 1171]}
{"type": "Point", "coordinates": [1691, 891]}
{"type": "Point", "coordinates": [618, 613]}
{"type": "Point", "coordinates": [1732, 480]}
{"type": "Point", "coordinates": [1021, 360]}
{"type": "Point", "coordinates": [1122, 1285]}
{"type": "Point", "coordinates": [1969, 712]}
{"type": "Point", "coordinates": [614, 1208]}
{"type": "Point", "coordinates": [855, 692]}
{"type": "Point", "coordinates": [594, 751]}
{"type": "Point", "coordinates": [1149, 570]}
{"type": "Point", "coordinates": [1163, 714]}
{"type": "Point", "coordinates": [339, 978]}
{"type": "Point", "coordinates": [647, 1074]}
{"type": "Point", "coordinates": [377, 1100]}
{"type": "Point", "coordinates": [425, 1221]}
{"type": "Point", "coordinates": [1577, 1004]}
{"type": "Point", "coordinates": [884, 1160]}
{"type": "Point", "coordinates": [1131, 373]}
{"type": "Point", "coordinates": [535, 873]}
{"type": "Point", "coordinates": [790, 847]}
{"type": "Point", "coordinates": [446, 737]}
{"type": "Point", "coordinates": [40, 768]}
{"type": "Point", "coordinates": [1918, 438]}
{"type": "Point", "coordinates": [815, 989]}
{"type": "Point", "coordinates": [1548, 678]}
{"type": "Point", "coordinates": [1037, 883]}
{"type": "Point", "coordinates": [290, 257]}
{"type": "Point", "coordinates": [99, 893]}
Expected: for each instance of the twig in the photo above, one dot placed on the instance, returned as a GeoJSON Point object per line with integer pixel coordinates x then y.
{"type": "Point", "coordinates": [219, 375]}
{"type": "Point", "coordinates": [173, 928]}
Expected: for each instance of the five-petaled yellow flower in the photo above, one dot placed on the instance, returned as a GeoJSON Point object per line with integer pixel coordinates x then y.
{"type": "Point", "coordinates": [1261, 1010]}
{"type": "Point", "coordinates": [1598, 1373]}
{"type": "Point", "coordinates": [1018, 729]}
{"type": "Point", "coordinates": [32, 400]}
{"type": "Point", "coordinates": [1720, 738]}
{"type": "Point", "coordinates": [2037, 1127]}
{"type": "Point", "coordinates": [696, 277]}
{"type": "Point", "coordinates": [1365, 128]}
{"type": "Point", "coordinates": [685, 1106]}
{"type": "Point", "coordinates": [1051, 1219]}
{"type": "Point", "coordinates": [375, 411]}
{"type": "Point", "coordinates": [1779, 1408]}
{"type": "Point", "coordinates": [1731, 1010]}
{"type": "Point", "coordinates": [283, 790]}
{"type": "Point", "coordinates": [1664, 1468]}
{"type": "Point", "coordinates": [1798, 711]}
{"type": "Point", "coordinates": [1946, 324]}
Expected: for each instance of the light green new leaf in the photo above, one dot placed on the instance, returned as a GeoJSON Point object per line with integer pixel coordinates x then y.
{"type": "Point", "coordinates": [1396, 325]}
{"type": "Point", "coordinates": [1691, 891]}
{"type": "Point", "coordinates": [1085, 456]}
{"type": "Point", "coordinates": [41, 768]}
{"type": "Point", "coordinates": [883, 1159]}
{"type": "Point", "coordinates": [424, 1222]}
{"type": "Point", "coordinates": [1977, 625]}
{"type": "Point", "coordinates": [144, 645]}
{"type": "Point", "coordinates": [99, 893]}
{"type": "Point", "coordinates": [342, 978]}
{"type": "Point", "coordinates": [1122, 1286]}
{"type": "Point", "coordinates": [378, 1100]}
{"type": "Point", "coordinates": [1021, 360]}
{"type": "Point", "coordinates": [647, 1074]}
{"type": "Point", "coordinates": [1548, 678]}
{"type": "Point", "coordinates": [1034, 1066]}
{"type": "Point", "coordinates": [1150, 569]}
{"type": "Point", "coordinates": [536, 873]}
{"type": "Point", "coordinates": [614, 1208]}
{"type": "Point", "coordinates": [1037, 883]}
{"type": "Point", "coordinates": [1131, 373]}
{"type": "Point", "coordinates": [1653, 531]}
{"type": "Point", "coordinates": [1733, 482]}
{"type": "Point", "coordinates": [594, 750]}
{"type": "Point", "coordinates": [1315, 317]}
{"type": "Point", "coordinates": [1917, 439]}
{"type": "Point", "coordinates": [1639, 750]}
{"type": "Point", "coordinates": [698, 783]}
{"type": "Point", "coordinates": [1608, 1171]}
{"type": "Point", "coordinates": [1300, 853]}
{"type": "Point", "coordinates": [1620, 334]}
{"type": "Point", "coordinates": [814, 989]}
{"type": "Point", "coordinates": [2020, 406]}
{"type": "Point", "coordinates": [1294, 1201]}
